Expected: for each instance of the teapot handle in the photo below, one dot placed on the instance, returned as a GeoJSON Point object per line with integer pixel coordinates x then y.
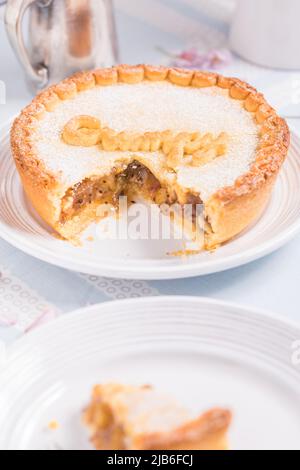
{"type": "Point", "coordinates": [14, 14]}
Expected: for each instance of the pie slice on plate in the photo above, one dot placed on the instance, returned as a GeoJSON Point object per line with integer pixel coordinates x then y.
{"type": "Point", "coordinates": [174, 136]}
{"type": "Point", "coordinates": [138, 418]}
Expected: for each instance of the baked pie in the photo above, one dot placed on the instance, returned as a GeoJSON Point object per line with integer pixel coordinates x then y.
{"type": "Point", "coordinates": [171, 135]}
{"type": "Point", "coordinates": [138, 418]}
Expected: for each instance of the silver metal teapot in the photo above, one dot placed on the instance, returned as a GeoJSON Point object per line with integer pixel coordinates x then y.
{"type": "Point", "coordinates": [64, 36]}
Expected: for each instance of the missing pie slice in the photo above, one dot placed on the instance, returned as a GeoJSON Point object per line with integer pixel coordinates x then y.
{"type": "Point", "coordinates": [138, 418]}
{"type": "Point", "coordinates": [174, 136]}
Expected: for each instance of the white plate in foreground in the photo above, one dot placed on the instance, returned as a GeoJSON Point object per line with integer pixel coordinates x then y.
{"type": "Point", "coordinates": [140, 259]}
{"type": "Point", "coordinates": [203, 352]}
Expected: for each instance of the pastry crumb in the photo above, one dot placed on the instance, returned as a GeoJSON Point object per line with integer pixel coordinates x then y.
{"type": "Point", "coordinates": [53, 425]}
{"type": "Point", "coordinates": [90, 239]}
{"type": "Point", "coordinates": [180, 253]}
{"type": "Point", "coordinates": [75, 241]}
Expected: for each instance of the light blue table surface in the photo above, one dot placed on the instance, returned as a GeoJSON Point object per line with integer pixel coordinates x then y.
{"type": "Point", "coordinates": [271, 283]}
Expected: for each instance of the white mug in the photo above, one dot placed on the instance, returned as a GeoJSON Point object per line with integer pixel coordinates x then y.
{"type": "Point", "coordinates": [267, 32]}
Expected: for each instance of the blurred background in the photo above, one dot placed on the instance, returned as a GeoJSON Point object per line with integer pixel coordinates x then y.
{"type": "Point", "coordinates": [193, 33]}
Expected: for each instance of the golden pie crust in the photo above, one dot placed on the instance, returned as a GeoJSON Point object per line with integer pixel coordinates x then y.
{"type": "Point", "coordinates": [115, 424]}
{"type": "Point", "coordinates": [228, 211]}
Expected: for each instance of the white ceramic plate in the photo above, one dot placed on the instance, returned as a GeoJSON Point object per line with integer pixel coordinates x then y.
{"type": "Point", "coordinates": [205, 353]}
{"type": "Point", "coordinates": [139, 259]}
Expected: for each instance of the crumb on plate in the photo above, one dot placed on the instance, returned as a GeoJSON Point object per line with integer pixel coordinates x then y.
{"type": "Point", "coordinates": [53, 425]}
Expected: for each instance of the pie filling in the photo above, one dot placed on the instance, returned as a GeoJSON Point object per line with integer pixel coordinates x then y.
{"type": "Point", "coordinates": [134, 180]}
{"type": "Point", "coordinates": [107, 433]}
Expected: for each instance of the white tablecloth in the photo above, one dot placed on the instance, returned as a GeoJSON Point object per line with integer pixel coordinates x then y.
{"type": "Point", "coordinates": [32, 292]}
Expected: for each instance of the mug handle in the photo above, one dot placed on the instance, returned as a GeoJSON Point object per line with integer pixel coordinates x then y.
{"type": "Point", "coordinates": [14, 14]}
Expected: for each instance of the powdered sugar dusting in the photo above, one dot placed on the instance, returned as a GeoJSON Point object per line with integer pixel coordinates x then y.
{"type": "Point", "coordinates": [151, 107]}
